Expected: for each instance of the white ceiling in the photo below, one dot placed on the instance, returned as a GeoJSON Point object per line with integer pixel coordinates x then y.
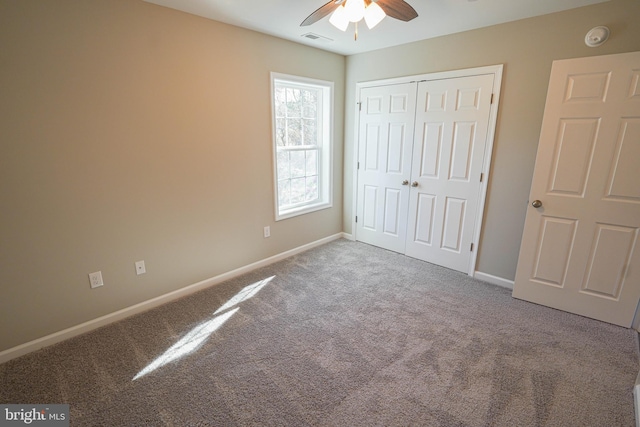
{"type": "Point", "coordinates": [282, 18]}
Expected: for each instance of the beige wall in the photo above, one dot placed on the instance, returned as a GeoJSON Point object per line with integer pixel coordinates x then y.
{"type": "Point", "coordinates": [135, 132]}
{"type": "Point", "coordinates": [527, 49]}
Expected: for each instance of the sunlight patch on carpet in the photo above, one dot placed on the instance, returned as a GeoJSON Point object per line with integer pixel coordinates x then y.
{"type": "Point", "coordinates": [198, 335]}
{"type": "Point", "coordinates": [188, 344]}
{"type": "Point", "coordinates": [244, 294]}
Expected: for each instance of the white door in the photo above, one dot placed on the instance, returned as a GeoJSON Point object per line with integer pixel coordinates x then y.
{"type": "Point", "coordinates": [452, 122]}
{"type": "Point", "coordinates": [421, 154]}
{"type": "Point", "coordinates": [384, 164]}
{"type": "Point", "coordinates": [579, 248]}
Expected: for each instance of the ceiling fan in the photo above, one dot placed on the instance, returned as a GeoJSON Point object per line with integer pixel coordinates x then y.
{"type": "Point", "coordinates": [373, 11]}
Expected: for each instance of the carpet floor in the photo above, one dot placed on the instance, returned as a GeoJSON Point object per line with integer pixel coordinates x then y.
{"type": "Point", "coordinates": [345, 334]}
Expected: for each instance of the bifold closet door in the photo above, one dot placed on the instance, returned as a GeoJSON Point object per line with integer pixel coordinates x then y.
{"type": "Point", "coordinates": [451, 131]}
{"type": "Point", "coordinates": [387, 116]}
{"type": "Point", "coordinates": [420, 158]}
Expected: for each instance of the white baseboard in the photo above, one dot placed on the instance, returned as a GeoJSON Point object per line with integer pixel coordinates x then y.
{"type": "Point", "coordinates": [636, 319]}
{"type": "Point", "coordinates": [495, 280]}
{"type": "Point", "coordinates": [636, 403]}
{"type": "Point", "coordinates": [348, 237]}
{"type": "Point", "coordinates": [90, 325]}
{"type": "Point", "coordinates": [636, 389]}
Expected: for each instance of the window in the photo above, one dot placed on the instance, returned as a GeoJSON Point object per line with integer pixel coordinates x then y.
{"type": "Point", "coordinates": [302, 128]}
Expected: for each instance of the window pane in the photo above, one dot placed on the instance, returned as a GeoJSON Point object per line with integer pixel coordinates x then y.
{"type": "Point", "coordinates": [294, 103]}
{"type": "Point", "coordinates": [309, 104]}
{"type": "Point", "coordinates": [284, 193]}
{"type": "Point", "coordinates": [297, 190]}
{"type": "Point", "coordinates": [294, 132]}
{"type": "Point", "coordinates": [298, 164]}
{"type": "Point", "coordinates": [310, 132]}
{"type": "Point", "coordinates": [281, 132]}
{"type": "Point", "coordinates": [312, 188]}
{"type": "Point", "coordinates": [312, 162]}
{"type": "Point", "coordinates": [283, 165]}
{"type": "Point", "coordinates": [280, 102]}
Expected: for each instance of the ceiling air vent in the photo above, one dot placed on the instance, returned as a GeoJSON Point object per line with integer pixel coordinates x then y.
{"type": "Point", "coordinates": [317, 37]}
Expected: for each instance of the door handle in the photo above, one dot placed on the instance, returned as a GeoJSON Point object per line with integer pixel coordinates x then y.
{"type": "Point", "coordinates": [405, 182]}
{"type": "Point", "coordinates": [536, 204]}
{"type": "Point", "coordinates": [414, 184]}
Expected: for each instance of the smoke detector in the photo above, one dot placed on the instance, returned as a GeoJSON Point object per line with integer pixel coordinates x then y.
{"type": "Point", "coordinates": [597, 36]}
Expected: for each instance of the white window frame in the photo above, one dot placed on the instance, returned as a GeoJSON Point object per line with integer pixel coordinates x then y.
{"type": "Point", "coordinates": [325, 145]}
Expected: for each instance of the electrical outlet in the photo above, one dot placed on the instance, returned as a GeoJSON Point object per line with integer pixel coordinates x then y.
{"type": "Point", "coordinates": [96, 279]}
{"type": "Point", "coordinates": [140, 268]}
{"type": "Point", "coordinates": [267, 231]}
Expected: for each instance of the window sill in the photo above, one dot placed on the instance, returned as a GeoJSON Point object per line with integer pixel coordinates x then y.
{"type": "Point", "coordinates": [301, 210]}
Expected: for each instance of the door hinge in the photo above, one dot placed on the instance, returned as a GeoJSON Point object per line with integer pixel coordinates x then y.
{"type": "Point", "coordinates": [471, 248]}
{"type": "Point", "coordinates": [356, 218]}
{"type": "Point", "coordinates": [481, 177]}
{"type": "Point", "coordinates": [359, 106]}
{"type": "Point", "coordinates": [358, 165]}
{"type": "Point", "coordinates": [491, 99]}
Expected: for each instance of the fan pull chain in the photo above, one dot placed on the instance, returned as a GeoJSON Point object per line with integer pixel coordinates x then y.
{"type": "Point", "coordinates": [355, 34]}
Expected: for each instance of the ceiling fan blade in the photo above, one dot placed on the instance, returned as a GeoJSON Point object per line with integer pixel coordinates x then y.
{"type": "Point", "coordinates": [398, 9]}
{"type": "Point", "coordinates": [321, 12]}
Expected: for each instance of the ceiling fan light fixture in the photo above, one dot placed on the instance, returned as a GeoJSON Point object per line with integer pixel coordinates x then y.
{"type": "Point", "coordinates": [339, 18]}
{"type": "Point", "coordinates": [355, 10]}
{"type": "Point", "coordinates": [373, 14]}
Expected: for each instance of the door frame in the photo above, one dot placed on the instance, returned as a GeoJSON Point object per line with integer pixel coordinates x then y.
{"type": "Point", "coordinates": [496, 71]}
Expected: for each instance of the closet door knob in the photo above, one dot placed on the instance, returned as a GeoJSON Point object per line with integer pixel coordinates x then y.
{"type": "Point", "coordinates": [414, 184]}
{"type": "Point", "coordinates": [536, 203]}
{"type": "Point", "coordinates": [405, 182]}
